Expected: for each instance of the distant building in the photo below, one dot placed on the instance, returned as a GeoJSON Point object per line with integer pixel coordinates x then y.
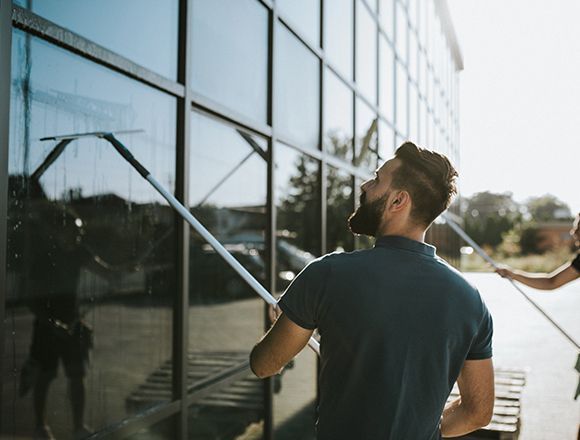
{"type": "Point", "coordinates": [553, 235]}
{"type": "Point", "coordinates": [264, 117]}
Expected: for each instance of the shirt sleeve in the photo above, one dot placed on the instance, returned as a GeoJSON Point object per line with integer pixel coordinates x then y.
{"type": "Point", "coordinates": [481, 346]}
{"type": "Point", "coordinates": [301, 300]}
{"type": "Point", "coordinates": [576, 262]}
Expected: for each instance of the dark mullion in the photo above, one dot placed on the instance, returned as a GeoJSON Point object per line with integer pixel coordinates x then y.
{"type": "Point", "coordinates": [62, 37]}
{"type": "Point", "coordinates": [5, 72]}
{"type": "Point", "coordinates": [181, 305]}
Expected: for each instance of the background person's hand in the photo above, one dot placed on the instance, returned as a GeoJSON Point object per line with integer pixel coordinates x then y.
{"type": "Point", "coordinates": [504, 272]}
{"type": "Point", "coordinates": [274, 312]}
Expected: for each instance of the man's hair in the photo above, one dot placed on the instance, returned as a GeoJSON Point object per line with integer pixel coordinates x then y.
{"type": "Point", "coordinates": [428, 177]}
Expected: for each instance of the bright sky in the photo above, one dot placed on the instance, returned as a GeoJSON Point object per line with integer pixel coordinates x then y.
{"type": "Point", "coordinates": [520, 97]}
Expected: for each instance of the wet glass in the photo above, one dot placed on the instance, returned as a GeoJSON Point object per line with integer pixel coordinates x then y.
{"type": "Point", "coordinates": [366, 137]}
{"type": "Point", "coordinates": [297, 90]}
{"type": "Point", "coordinates": [339, 206]}
{"type": "Point", "coordinates": [144, 31]}
{"type": "Point", "coordinates": [227, 194]}
{"type": "Point", "coordinates": [402, 28]}
{"type": "Point", "coordinates": [339, 35]}
{"type": "Point", "coordinates": [297, 195]}
{"type": "Point", "coordinates": [305, 15]}
{"type": "Point", "coordinates": [387, 83]}
{"type": "Point", "coordinates": [91, 255]}
{"type": "Point", "coordinates": [402, 82]}
{"type": "Point", "coordinates": [338, 117]}
{"type": "Point", "coordinates": [386, 141]}
{"type": "Point", "coordinates": [366, 53]}
{"type": "Point", "coordinates": [387, 13]}
{"type": "Point", "coordinates": [222, 43]}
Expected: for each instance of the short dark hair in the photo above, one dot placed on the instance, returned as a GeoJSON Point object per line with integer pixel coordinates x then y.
{"type": "Point", "coordinates": [428, 177]}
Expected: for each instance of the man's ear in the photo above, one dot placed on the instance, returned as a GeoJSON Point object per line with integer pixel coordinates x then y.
{"type": "Point", "coordinates": [399, 201]}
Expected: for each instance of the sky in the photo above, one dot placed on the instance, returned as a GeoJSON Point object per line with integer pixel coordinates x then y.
{"type": "Point", "coordinates": [520, 97]}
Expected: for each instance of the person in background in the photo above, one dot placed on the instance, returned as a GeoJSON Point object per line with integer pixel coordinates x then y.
{"type": "Point", "coordinates": [565, 274]}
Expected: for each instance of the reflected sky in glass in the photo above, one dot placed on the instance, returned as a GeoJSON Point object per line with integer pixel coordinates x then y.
{"type": "Point", "coordinates": [297, 89]}
{"type": "Point", "coordinates": [387, 85]}
{"type": "Point", "coordinates": [145, 31]}
{"type": "Point", "coordinates": [230, 54]}
{"type": "Point", "coordinates": [366, 136]}
{"type": "Point", "coordinates": [338, 120]}
{"type": "Point", "coordinates": [366, 53]}
{"type": "Point", "coordinates": [305, 15]}
{"type": "Point", "coordinates": [402, 28]}
{"type": "Point", "coordinates": [338, 35]}
{"type": "Point", "coordinates": [402, 99]}
{"type": "Point", "coordinates": [386, 140]}
{"type": "Point", "coordinates": [386, 16]}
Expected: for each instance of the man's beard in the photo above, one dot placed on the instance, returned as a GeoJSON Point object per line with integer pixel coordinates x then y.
{"type": "Point", "coordinates": [367, 217]}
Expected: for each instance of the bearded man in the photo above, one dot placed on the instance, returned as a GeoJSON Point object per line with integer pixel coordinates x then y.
{"type": "Point", "coordinates": [399, 326]}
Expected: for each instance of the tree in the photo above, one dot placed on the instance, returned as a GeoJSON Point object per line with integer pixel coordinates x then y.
{"type": "Point", "coordinates": [548, 208]}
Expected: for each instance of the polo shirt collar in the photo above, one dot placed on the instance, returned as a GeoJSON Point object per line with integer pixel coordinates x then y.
{"type": "Point", "coordinates": [396, 241]}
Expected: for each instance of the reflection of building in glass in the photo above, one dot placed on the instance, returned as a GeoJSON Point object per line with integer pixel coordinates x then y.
{"type": "Point", "coordinates": [265, 117]}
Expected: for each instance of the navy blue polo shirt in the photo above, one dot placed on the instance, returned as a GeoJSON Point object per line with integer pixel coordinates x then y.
{"type": "Point", "coordinates": [396, 324]}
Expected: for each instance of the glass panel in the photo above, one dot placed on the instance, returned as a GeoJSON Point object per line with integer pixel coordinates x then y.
{"type": "Point", "coordinates": [386, 17]}
{"type": "Point", "coordinates": [124, 27]}
{"type": "Point", "coordinates": [223, 43]}
{"type": "Point", "coordinates": [298, 242]}
{"type": "Point", "coordinates": [339, 36]}
{"type": "Point", "coordinates": [372, 4]}
{"type": "Point", "coordinates": [297, 89]}
{"type": "Point", "coordinates": [228, 195]}
{"type": "Point", "coordinates": [386, 141]}
{"type": "Point", "coordinates": [402, 27]}
{"type": "Point", "coordinates": [402, 99]}
{"type": "Point", "coordinates": [91, 246]}
{"type": "Point", "coordinates": [412, 10]}
{"type": "Point", "coordinates": [422, 122]}
{"type": "Point", "coordinates": [413, 54]}
{"type": "Point", "coordinates": [366, 137]}
{"type": "Point", "coordinates": [339, 206]}
{"type": "Point", "coordinates": [366, 53]}
{"type": "Point", "coordinates": [361, 241]}
{"type": "Point", "coordinates": [305, 14]}
{"type": "Point", "coordinates": [413, 114]}
{"type": "Point", "coordinates": [387, 73]}
{"type": "Point", "coordinates": [338, 117]}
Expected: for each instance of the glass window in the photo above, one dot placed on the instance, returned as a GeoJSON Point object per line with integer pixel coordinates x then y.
{"type": "Point", "coordinates": [305, 14]}
{"type": "Point", "coordinates": [372, 4]}
{"type": "Point", "coordinates": [422, 73]}
{"type": "Point", "coordinates": [366, 53]}
{"type": "Point", "coordinates": [339, 36]}
{"type": "Point", "coordinates": [223, 43]}
{"type": "Point", "coordinates": [91, 253]}
{"type": "Point", "coordinates": [413, 114]}
{"type": "Point", "coordinates": [124, 27]}
{"type": "Point", "coordinates": [413, 54]}
{"type": "Point", "coordinates": [402, 27]}
{"type": "Point", "coordinates": [366, 137]}
{"type": "Point", "coordinates": [422, 122]}
{"type": "Point", "coordinates": [402, 83]}
{"type": "Point", "coordinates": [338, 117]}
{"type": "Point", "coordinates": [387, 75]}
{"type": "Point", "coordinates": [339, 206]}
{"type": "Point", "coordinates": [297, 90]}
{"type": "Point", "coordinates": [412, 10]}
{"type": "Point", "coordinates": [386, 141]}
{"type": "Point", "coordinates": [361, 241]}
{"type": "Point", "coordinates": [297, 196]}
{"type": "Point", "coordinates": [226, 317]}
{"type": "Point", "coordinates": [387, 13]}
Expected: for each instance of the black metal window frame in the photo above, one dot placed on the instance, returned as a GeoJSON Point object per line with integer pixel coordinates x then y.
{"type": "Point", "coordinates": [12, 16]}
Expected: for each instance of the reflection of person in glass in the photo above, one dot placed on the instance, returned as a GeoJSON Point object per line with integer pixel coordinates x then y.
{"type": "Point", "coordinates": [54, 254]}
{"type": "Point", "coordinates": [398, 325]}
{"type": "Point", "coordinates": [565, 274]}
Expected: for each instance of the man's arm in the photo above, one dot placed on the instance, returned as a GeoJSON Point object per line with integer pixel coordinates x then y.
{"type": "Point", "coordinates": [474, 409]}
{"type": "Point", "coordinates": [543, 281]}
{"type": "Point", "coordinates": [278, 347]}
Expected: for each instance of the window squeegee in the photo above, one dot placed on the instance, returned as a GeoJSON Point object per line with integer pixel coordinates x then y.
{"type": "Point", "coordinates": [63, 141]}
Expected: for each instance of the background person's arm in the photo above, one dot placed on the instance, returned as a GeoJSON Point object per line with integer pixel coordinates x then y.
{"type": "Point", "coordinates": [474, 409]}
{"type": "Point", "coordinates": [278, 347]}
{"type": "Point", "coordinates": [543, 281]}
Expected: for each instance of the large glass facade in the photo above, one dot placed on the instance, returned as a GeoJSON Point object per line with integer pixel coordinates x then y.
{"type": "Point", "coordinates": [264, 119]}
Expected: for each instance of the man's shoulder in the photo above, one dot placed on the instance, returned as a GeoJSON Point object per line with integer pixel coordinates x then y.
{"type": "Point", "coordinates": [454, 276]}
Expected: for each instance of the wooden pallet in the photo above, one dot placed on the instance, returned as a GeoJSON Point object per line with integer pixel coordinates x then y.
{"type": "Point", "coordinates": [505, 424]}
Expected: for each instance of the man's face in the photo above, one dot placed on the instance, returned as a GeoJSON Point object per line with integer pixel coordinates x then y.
{"type": "Point", "coordinates": [370, 214]}
{"type": "Point", "coordinates": [575, 232]}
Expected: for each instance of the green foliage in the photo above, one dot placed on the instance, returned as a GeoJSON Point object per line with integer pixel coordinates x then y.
{"type": "Point", "coordinates": [548, 208]}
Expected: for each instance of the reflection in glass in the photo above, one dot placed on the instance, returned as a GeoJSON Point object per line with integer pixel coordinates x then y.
{"type": "Point", "coordinates": [337, 117]}
{"type": "Point", "coordinates": [387, 75]}
{"type": "Point", "coordinates": [298, 242]}
{"type": "Point", "coordinates": [386, 140]}
{"type": "Point", "coordinates": [361, 241]}
{"type": "Point", "coordinates": [223, 43]}
{"type": "Point", "coordinates": [339, 35]}
{"type": "Point", "coordinates": [413, 114]}
{"type": "Point", "coordinates": [386, 16]}
{"type": "Point", "coordinates": [227, 194]}
{"type": "Point", "coordinates": [413, 54]}
{"type": "Point", "coordinates": [297, 89]}
{"type": "Point", "coordinates": [402, 27]}
{"type": "Point", "coordinates": [402, 99]}
{"type": "Point", "coordinates": [124, 27]}
{"type": "Point", "coordinates": [305, 14]}
{"type": "Point", "coordinates": [366, 53]}
{"type": "Point", "coordinates": [339, 206]}
{"type": "Point", "coordinates": [366, 137]}
{"type": "Point", "coordinates": [91, 254]}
